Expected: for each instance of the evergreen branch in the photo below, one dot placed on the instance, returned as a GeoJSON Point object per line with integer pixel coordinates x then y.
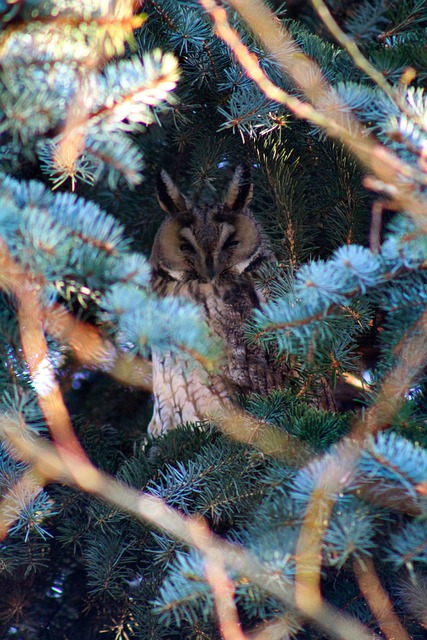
{"type": "Point", "coordinates": [100, 31]}
{"type": "Point", "coordinates": [35, 349]}
{"type": "Point", "coordinates": [91, 350]}
{"type": "Point", "coordinates": [352, 532]}
{"type": "Point", "coordinates": [378, 600]}
{"type": "Point", "coordinates": [28, 484]}
{"type": "Point", "coordinates": [118, 155]}
{"type": "Point", "coordinates": [133, 86]}
{"type": "Point", "coordinates": [52, 234]}
{"type": "Point", "coordinates": [366, 19]}
{"type": "Point", "coordinates": [25, 508]}
{"type": "Point", "coordinates": [118, 556]}
{"type": "Point", "coordinates": [317, 302]}
{"type": "Point", "coordinates": [335, 475]}
{"type": "Point", "coordinates": [166, 18]}
{"type": "Point", "coordinates": [222, 587]}
{"type": "Point", "coordinates": [413, 592]}
{"type": "Point", "coordinates": [244, 428]}
{"type": "Point", "coordinates": [188, 30]}
{"type": "Point", "coordinates": [129, 92]}
{"type": "Point", "coordinates": [409, 545]}
{"type": "Point", "coordinates": [84, 340]}
{"type": "Point", "coordinates": [318, 298]}
{"type": "Point", "coordinates": [351, 47]}
{"type": "Point", "coordinates": [412, 351]}
{"type": "Point", "coordinates": [66, 161]}
{"type": "Point", "coordinates": [393, 459]}
{"type": "Point", "coordinates": [283, 627]}
{"type": "Point", "coordinates": [293, 322]}
{"type": "Point", "coordinates": [251, 65]}
{"type": "Point", "coordinates": [36, 353]}
{"type": "Point", "coordinates": [77, 471]}
{"type": "Point", "coordinates": [330, 115]}
{"type": "Point", "coordinates": [417, 12]}
{"type": "Point", "coordinates": [143, 322]}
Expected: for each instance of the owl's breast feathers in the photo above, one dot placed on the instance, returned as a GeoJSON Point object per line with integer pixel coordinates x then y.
{"type": "Point", "coordinates": [184, 392]}
{"type": "Point", "coordinates": [228, 306]}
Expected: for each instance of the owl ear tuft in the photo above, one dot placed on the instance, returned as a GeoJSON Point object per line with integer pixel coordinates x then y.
{"type": "Point", "coordinates": [240, 189]}
{"type": "Point", "coordinates": [169, 196]}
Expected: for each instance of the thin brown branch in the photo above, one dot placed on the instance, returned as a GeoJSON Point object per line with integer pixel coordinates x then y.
{"type": "Point", "coordinates": [222, 587]}
{"type": "Point", "coordinates": [27, 487]}
{"type": "Point", "coordinates": [166, 19]}
{"type": "Point", "coordinates": [412, 353]}
{"type": "Point", "coordinates": [326, 110]}
{"type": "Point", "coordinates": [351, 47]}
{"type": "Point", "coordinates": [91, 350]}
{"type": "Point", "coordinates": [378, 600]}
{"type": "Point", "coordinates": [36, 354]}
{"type": "Point", "coordinates": [335, 478]}
{"type": "Point", "coordinates": [376, 226]}
{"type": "Point", "coordinates": [308, 558]}
{"type": "Point", "coordinates": [243, 427]}
{"type": "Point", "coordinates": [54, 464]}
{"type": "Point", "coordinates": [300, 322]}
{"type": "Point", "coordinates": [282, 628]}
{"type": "Point", "coordinates": [84, 340]}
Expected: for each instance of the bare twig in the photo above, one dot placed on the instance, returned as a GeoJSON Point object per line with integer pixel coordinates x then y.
{"type": "Point", "coordinates": [241, 426]}
{"type": "Point", "coordinates": [53, 464]}
{"type": "Point", "coordinates": [412, 356]}
{"type": "Point", "coordinates": [376, 226]}
{"type": "Point", "coordinates": [222, 587]}
{"type": "Point", "coordinates": [91, 350]}
{"type": "Point", "coordinates": [27, 487]}
{"type": "Point", "coordinates": [36, 353]}
{"type": "Point", "coordinates": [335, 478]}
{"type": "Point", "coordinates": [351, 47]}
{"type": "Point", "coordinates": [279, 628]}
{"type": "Point", "coordinates": [326, 110]}
{"type": "Point", "coordinates": [378, 600]}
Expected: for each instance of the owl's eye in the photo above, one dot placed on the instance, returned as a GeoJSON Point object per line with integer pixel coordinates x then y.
{"type": "Point", "coordinates": [187, 246]}
{"type": "Point", "coordinates": [230, 243]}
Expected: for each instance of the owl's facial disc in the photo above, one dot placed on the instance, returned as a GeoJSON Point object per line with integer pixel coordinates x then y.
{"type": "Point", "coordinates": [208, 247]}
{"type": "Point", "coordinates": [208, 244]}
{"type": "Point", "coordinates": [216, 243]}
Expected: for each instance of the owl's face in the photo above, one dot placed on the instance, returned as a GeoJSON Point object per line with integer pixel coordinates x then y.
{"type": "Point", "coordinates": [208, 243]}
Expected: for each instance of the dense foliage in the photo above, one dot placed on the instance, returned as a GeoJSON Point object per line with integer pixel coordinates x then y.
{"type": "Point", "coordinates": [95, 98]}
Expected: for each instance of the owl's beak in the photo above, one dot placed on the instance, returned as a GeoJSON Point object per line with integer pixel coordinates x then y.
{"type": "Point", "coordinates": [210, 267]}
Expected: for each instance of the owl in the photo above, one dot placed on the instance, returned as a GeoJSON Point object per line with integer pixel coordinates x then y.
{"type": "Point", "coordinates": [210, 254]}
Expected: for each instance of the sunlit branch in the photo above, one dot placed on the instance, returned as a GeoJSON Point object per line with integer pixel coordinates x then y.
{"type": "Point", "coordinates": [221, 585]}
{"type": "Point", "coordinates": [412, 356]}
{"type": "Point", "coordinates": [91, 350]}
{"type": "Point", "coordinates": [308, 557]}
{"type": "Point", "coordinates": [84, 340]}
{"type": "Point", "coordinates": [28, 484]}
{"type": "Point", "coordinates": [273, 629]}
{"type": "Point", "coordinates": [326, 110]}
{"type": "Point", "coordinates": [241, 426]}
{"type": "Point", "coordinates": [378, 600]}
{"type": "Point", "coordinates": [54, 464]}
{"type": "Point", "coordinates": [36, 353]}
{"type": "Point", "coordinates": [351, 47]}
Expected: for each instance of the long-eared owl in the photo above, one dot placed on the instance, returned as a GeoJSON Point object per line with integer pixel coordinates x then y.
{"type": "Point", "coordinates": [210, 254]}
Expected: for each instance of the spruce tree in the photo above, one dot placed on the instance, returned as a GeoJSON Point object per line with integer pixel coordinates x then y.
{"type": "Point", "coordinates": [316, 519]}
